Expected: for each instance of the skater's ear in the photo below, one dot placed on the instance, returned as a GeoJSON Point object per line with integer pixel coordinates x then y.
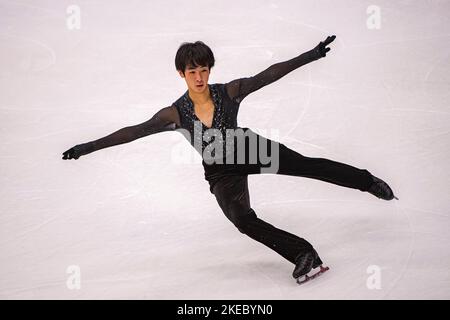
{"type": "Point", "coordinates": [181, 73]}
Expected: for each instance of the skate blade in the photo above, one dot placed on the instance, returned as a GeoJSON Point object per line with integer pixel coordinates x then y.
{"type": "Point", "coordinates": [306, 278]}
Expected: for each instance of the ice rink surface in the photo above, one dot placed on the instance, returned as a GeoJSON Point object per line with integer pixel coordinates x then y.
{"type": "Point", "coordinates": [136, 221]}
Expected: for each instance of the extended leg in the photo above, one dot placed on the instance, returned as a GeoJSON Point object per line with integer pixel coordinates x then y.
{"type": "Point", "coordinates": [294, 164]}
{"type": "Point", "coordinates": [274, 157]}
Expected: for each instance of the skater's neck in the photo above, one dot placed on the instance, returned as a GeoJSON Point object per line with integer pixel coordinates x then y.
{"type": "Point", "coordinates": [200, 98]}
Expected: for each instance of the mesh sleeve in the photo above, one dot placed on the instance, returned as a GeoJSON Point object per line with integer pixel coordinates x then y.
{"type": "Point", "coordinates": [166, 119]}
{"type": "Point", "coordinates": [238, 89]}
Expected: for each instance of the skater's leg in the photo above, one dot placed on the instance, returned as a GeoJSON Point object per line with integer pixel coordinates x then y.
{"type": "Point", "coordinates": [233, 197]}
{"type": "Point", "coordinates": [282, 160]}
{"type": "Point", "coordinates": [294, 164]}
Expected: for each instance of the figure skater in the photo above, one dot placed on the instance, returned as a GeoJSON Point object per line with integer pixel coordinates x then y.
{"type": "Point", "coordinates": [204, 112]}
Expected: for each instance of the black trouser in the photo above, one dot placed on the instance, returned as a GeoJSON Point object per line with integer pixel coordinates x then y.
{"type": "Point", "coordinates": [229, 184]}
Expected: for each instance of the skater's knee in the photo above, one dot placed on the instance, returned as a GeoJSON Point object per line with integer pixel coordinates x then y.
{"type": "Point", "coordinates": [244, 219]}
{"type": "Point", "coordinates": [240, 215]}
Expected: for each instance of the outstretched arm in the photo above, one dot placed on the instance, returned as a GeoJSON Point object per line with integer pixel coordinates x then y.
{"type": "Point", "coordinates": [238, 89]}
{"type": "Point", "coordinates": [166, 119]}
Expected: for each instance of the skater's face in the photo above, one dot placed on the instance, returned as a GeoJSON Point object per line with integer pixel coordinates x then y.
{"type": "Point", "coordinates": [196, 78]}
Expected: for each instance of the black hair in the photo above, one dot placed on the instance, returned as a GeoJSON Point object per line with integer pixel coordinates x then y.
{"type": "Point", "coordinates": [195, 54]}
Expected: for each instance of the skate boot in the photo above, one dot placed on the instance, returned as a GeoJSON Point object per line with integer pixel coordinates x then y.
{"type": "Point", "coordinates": [304, 263]}
{"type": "Point", "coordinates": [381, 189]}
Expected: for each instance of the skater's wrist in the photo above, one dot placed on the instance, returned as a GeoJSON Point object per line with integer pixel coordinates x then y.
{"type": "Point", "coordinates": [85, 148]}
{"type": "Point", "coordinates": [316, 53]}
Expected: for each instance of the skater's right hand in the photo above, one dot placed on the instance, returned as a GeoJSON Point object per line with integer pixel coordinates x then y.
{"type": "Point", "coordinates": [74, 152]}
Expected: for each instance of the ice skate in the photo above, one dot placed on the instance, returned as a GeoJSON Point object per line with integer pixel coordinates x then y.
{"type": "Point", "coordinates": [304, 264]}
{"type": "Point", "coordinates": [381, 189]}
{"type": "Point", "coordinates": [313, 274]}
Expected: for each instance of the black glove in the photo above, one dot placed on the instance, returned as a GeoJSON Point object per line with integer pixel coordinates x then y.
{"type": "Point", "coordinates": [75, 152]}
{"type": "Point", "coordinates": [321, 50]}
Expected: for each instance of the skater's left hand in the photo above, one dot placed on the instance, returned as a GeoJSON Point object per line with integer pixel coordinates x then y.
{"type": "Point", "coordinates": [321, 49]}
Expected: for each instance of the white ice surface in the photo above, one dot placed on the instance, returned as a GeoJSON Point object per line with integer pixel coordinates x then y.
{"type": "Point", "coordinates": [140, 225]}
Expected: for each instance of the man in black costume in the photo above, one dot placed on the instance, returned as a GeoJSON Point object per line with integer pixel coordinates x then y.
{"type": "Point", "coordinates": [206, 111]}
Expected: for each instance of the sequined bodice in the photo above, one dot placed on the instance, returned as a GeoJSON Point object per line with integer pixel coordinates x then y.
{"type": "Point", "coordinates": [224, 117]}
